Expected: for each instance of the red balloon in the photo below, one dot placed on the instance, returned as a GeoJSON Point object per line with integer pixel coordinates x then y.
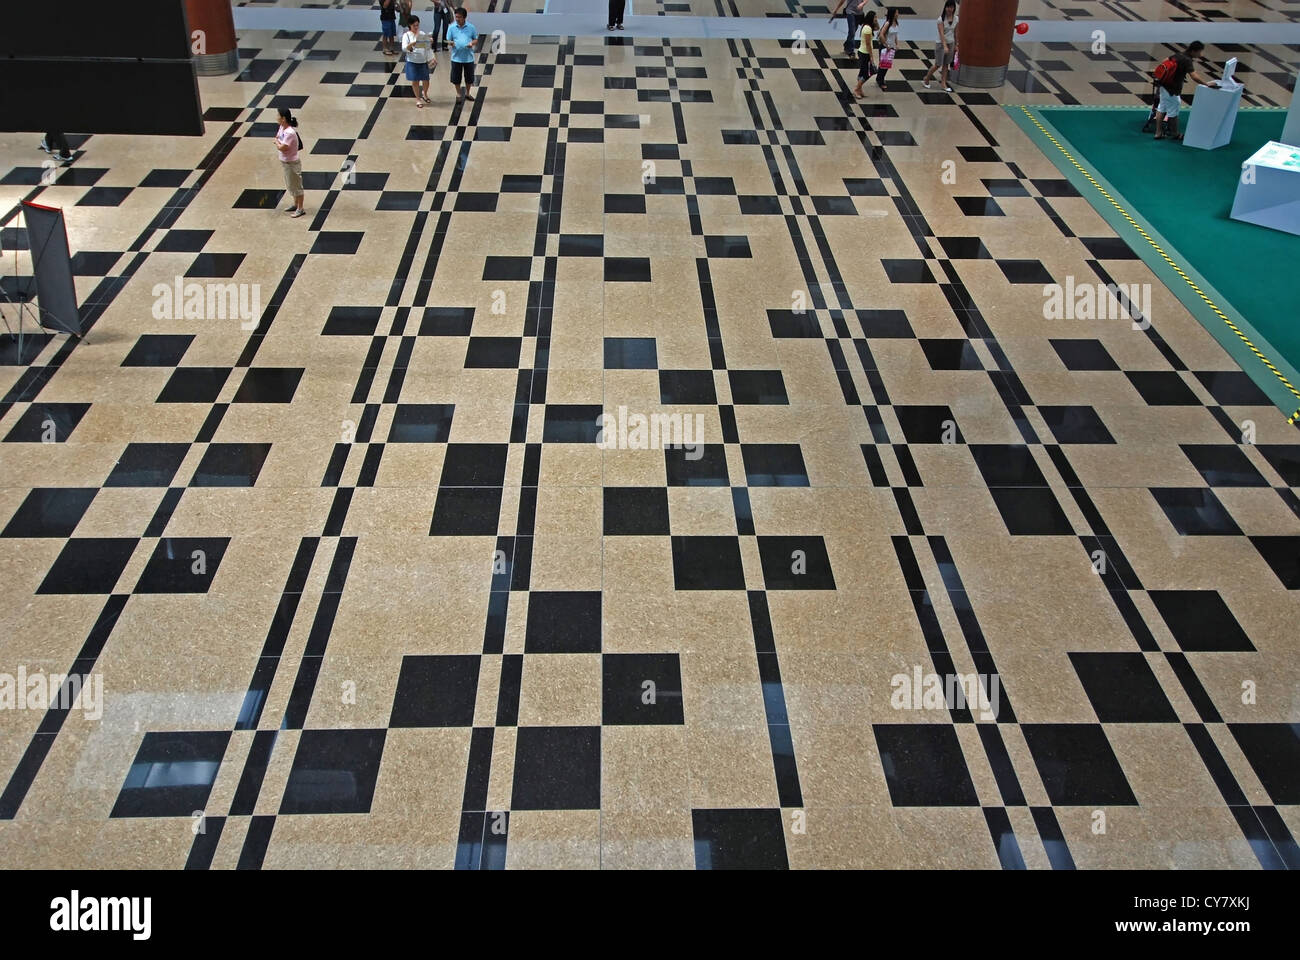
{"type": "Point", "coordinates": [1022, 28]}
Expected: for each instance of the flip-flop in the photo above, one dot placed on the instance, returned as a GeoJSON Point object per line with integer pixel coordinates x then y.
{"type": "Point", "coordinates": [419, 103]}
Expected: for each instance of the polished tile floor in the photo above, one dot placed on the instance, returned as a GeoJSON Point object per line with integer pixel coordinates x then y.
{"type": "Point", "coordinates": [362, 589]}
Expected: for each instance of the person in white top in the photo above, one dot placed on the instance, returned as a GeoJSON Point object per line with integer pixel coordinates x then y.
{"type": "Point", "coordinates": [418, 47]}
{"type": "Point", "coordinates": [947, 45]}
{"type": "Point", "coordinates": [888, 41]}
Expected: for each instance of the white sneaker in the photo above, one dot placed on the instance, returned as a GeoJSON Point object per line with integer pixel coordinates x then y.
{"type": "Point", "coordinates": [927, 84]}
{"type": "Point", "coordinates": [947, 89]}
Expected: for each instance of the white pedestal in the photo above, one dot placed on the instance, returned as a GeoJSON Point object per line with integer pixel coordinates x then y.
{"type": "Point", "coordinates": [1268, 190]}
{"type": "Point", "coordinates": [1214, 114]}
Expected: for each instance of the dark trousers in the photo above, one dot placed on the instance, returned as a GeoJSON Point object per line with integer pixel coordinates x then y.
{"type": "Point", "coordinates": [58, 143]}
{"type": "Point", "coordinates": [852, 18]}
{"type": "Point", "coordinates": [616, 11]}
{"type": "Point", "coordinates": [441, 21]}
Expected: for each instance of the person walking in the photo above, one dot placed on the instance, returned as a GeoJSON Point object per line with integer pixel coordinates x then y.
{"type": "Point", "coordinates": [865, 67]}
{"type": "Point", "coordinates": [442, 19]}
{"type": "Point", "coordinates": [852, 10]}
{"type": "Point", "coordinates": [388, 27]}
{"type": "Point", "coordinates": [616, 14]}
{"type": "Point", "coordinates": [1170, 89]}
{"type": "Point", "coordinates": [56, 144]}
{"type": "Point", "coordinates": [289, 143]}
{"type": "Point", "coordinates": [947, 45]}
{"type": "Point", "coordinates": [417, 46]}
{"type": "Point", "coordinates": [464, 38]}
{"type": "Point", "coordinates": [888, 38]}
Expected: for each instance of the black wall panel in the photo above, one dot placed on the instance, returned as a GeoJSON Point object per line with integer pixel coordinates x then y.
{"type": "Point", "coordinates": [93, 66]}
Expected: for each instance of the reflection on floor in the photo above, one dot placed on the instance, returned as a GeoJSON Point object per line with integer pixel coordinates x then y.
{"type": "Point", "coordinates": [413, 560]}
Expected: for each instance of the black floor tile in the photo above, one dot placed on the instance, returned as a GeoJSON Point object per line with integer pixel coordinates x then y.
{"type": "Point", "coordinates": [625, 203]}
{"type": "Point", "coordinates": [1273, 750]}
{"type": "Point", "coordinates": [334, 771]}
{"type": "Point", "coordinates": [493, 353]}
{"type": "Point", "coordinates": [1075, 424]}
{"type": "Point", "coordinates": [1083, 354]}
{"type": "Point", "coordinates": [94, 263]}
{"type": "Point", "coordinates": [447, 321]}
{"type": "Point", "coordinates": [1055, 188]}
{"type": "Point", "coordinates": [627, 269]}
{"type": "Point", "coordinates": [269, 385]}
{"type": "Point", "coordinates": [352, 322]}
{"type": "Point", "coordinates": [172, 774]}
{"type": "Point", "coordinates": [1162, 388]}
{"type": "Point", "coordinates": [885, 324]}
{"type": "Point", "coordinates": [182, 565]}
{"type": "Point", "coordinates": [1031, 512]}
{"type": "Point", "coordinates": [572, 423]}
{"type": "Point", "coordinates": [184, 241]}
{"type": "Point", "coordinates": [1200, 621]}
{"type": "Point", "coordinates": [1007, 465]}
{"type": "Point", "coordinates": [230, 465]}
{"type": "Point", "coordinates": [104, 196]}
{"type": "Point", "coordinates": [563, 621]}
{"type": "Point", "coordinates": [158, 350]}
{"type": "Point", "coordinates": [436, 691]}
{"type": "Point", "coordinates": [88, 565]}
{"type": "Point", "coordinates": [147, 465]}
{"type": "Point", "coordinates": [1223, 464]}
{"type": "Point", "coordinates": [194, 385]}
{"type": "Point", "coordinates": [47, 423]}
{"type": "Point", "coordinates": [1122, 688]}
{"type": "Point", "coordinates": [1285, 459]}
{"type": "Point", "coordinates": [219, 265]}
{"type": "Point", "coordinates": [728, 248]}
{"type": "Point", "coordinates": [556, 768]}
{"type": "Point", "coordinates": [476, 202]}
{"type": "Point", "coordinates": [687, 386]}
{"type": "Point", "coordinates": [32, 345]}
{"type": "Point", "coordinates": [774, 465]}
{"type": "Point", "coordinates": [1077, 765]}
{"type": "Point", "coordinates": [466, 512]}
{"type": "Point", "coordinates": [1195, 511]}
{"type": "Point", "coordinates": [979, 154]}
{"type": "Point", "coordinates": [1025, 271]}
{"type": "Point", "coordinates": [707, 563]}
{"type": "Point", "coordinates": [258, 200]}
{"type": "Point", "coordinates": [792, 325]}
{"type": "Point", "coordinates": [1282, 554]}
{"type": "Point", "coordinates": [796, 563]}
{"type": "Point", "coordinates": [474, 465]}
{"type": "Point", "coordinates": [979, 206]}
{"type": "Point", "coordinates": [421, 423]}
{"type": "Point", "coordinates": [951, 355]}
{"type": "Point", "coordinates": [174, 178]}
{"type": "Point", "coordinates": [399, 200]}
{"type": "Point", "coordinates": [337, 242]}
{"type": "Point", "coordinates": [635, 511]}
{"type": "Point", "coordinates": [582, 245]}
{"type": "Point", "coordinates": [630, 353]}
{"type": "Point", "coordinates": [738, 839]}
{"type": "Point", "coordinates": [964, 248]}
{"type": "Point", "coordinates": [1109, 248]}
{"type": "Point", "coordinates": [860, 187]}
{"type": "Point", "coordinates": [907, 271]}
{"type": "Point", "coordinates": [1233, 388]}
{"type": "Point", "coordinates": [928, 424]}
{"type": "Point", "coordinates": [627, 699]}
{"type": "Point", "coordinates": [924, 765]}
{"type": "Point", "coordinates": [757, 387]}
{"type": "Point", "coordinates": [709, 469]}
{"type": "Point", "coordinates": [52, 512]}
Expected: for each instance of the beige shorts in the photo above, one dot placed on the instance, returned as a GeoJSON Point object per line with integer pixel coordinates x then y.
{"type": "Point", "coordinates": [293, 177]}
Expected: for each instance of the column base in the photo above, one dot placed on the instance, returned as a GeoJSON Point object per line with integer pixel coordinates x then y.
{"type": "Point", "coordinates": [216, 64]}
{"type": "Point", "coordinates": [972, 76]}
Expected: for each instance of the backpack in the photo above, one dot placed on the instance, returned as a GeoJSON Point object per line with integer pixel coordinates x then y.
{"type": "Point", "coordinates": [1165, 70]}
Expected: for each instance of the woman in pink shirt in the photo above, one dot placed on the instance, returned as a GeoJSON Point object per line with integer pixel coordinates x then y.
{"type": "Point", "coordinates": [289, 143]}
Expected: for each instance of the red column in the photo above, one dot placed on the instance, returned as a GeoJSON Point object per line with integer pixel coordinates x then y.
{"type": "Point", "coordinates": [212, 37]}
{"type": "Point", "coordinates": [984, 29]}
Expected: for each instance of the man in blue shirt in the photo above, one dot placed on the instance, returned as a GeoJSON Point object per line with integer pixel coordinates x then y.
{"type": "Point", "coordinates": [463, 38]}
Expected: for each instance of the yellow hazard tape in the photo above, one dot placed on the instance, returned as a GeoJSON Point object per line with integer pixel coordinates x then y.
{"type": "Point", "coordinates": [1177, 269]}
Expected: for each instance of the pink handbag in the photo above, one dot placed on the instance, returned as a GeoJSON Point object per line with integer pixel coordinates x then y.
{"type": "Point", "coordinates": [886, 58]}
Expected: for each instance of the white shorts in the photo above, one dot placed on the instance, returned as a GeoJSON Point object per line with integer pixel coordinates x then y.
{"type": "Point", "coordinates": [1169, 104]}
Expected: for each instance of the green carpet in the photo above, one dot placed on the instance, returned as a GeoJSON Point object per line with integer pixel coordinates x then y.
{"type": "Point", "coordinates": [1185, 195]}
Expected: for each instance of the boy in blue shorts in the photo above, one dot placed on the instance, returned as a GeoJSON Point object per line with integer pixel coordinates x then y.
{"type": "Point", "coordinates": [388, 26]}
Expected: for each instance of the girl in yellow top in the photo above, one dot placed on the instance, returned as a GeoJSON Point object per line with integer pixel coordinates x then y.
{"type": "Point", "coordinates": [865, 66]}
